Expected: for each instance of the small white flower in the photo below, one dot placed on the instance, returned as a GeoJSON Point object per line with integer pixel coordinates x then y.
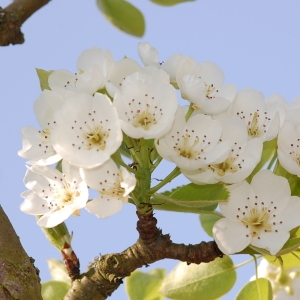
{"type": "Point", "coordinates": [94, 67]}
{"type": "Point", "coordinates": [37, 144]}
{"type": "Point", "coordinates": [146, 106]}
{"type": "Point", "coordinates": [241, 160]}
{"type": "Point", "coordinates": [114, 186]}
{"type": "Point", "coordinates": [202, 84]}
{"type": "Point", "coordinates": [88, 131]}
{"type": "Point", "coordinates": [52, 194]}
{"type": "Point", "coordinates": [289, 147]}
{"type": "Point", "coordinates": [260, 214]}
{"type": "Point", "coordinates": [261, 118]}
{"type": "Point", "coordinates": [193, 144]}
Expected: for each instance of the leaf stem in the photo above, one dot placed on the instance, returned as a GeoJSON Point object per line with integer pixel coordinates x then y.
{"type": "Point", "coordinates": [169, 178]}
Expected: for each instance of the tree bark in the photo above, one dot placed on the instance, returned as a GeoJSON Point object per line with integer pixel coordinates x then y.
{"type": "Point", "coordinates": [13, 16]}
{"type": "Point", "coordinates": [19, 278]}
{"type": "Point", "coordinates": [107, 272]}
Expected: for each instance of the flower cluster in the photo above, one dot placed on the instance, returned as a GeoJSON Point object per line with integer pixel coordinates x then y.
{"type": "Point", "coordinates": [111, 109]}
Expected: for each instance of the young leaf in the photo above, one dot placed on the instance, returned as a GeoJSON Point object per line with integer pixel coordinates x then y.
{"type": "Point", "coordinates": [43, 77]}
{"type": "Point", "coordinates": [145, 286]}
{"type": "Point", "coordinates": [259, 289]}
{"type": "Point", "coordinates": [170, 2]}
{"type": "Point", "coordinates": [207, 281]}
{"type": "Point", "coordinates": [208, 221]}
{"type": "Point", "coordinates": [54, 290]}
{"type": "Point", "coordinates": [123, 15]}
{"type": "Point", "coordinates": [58, 271]}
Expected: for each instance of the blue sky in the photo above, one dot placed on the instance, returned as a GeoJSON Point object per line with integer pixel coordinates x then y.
{"type": "Point", "coordinates": [256, 43]}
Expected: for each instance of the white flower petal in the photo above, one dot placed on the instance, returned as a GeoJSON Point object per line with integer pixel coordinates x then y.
{"type": "Point", "coordinates": [104, 207]}
{"type": "Point", "coordinates": [230, 236]}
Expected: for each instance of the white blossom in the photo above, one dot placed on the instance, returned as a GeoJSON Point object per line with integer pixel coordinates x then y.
{"type": "Point", "coordinates": [88, 131]}
{"type": "Point", "coordinates": [261, 118]}
{"type": "Point", "coordinates": [195, 143]}
{"type": "Point", "coordinates": [120, 71]}
{"type": "Point", "coordinates": [37, 143]}
{"type": "Point", "coordinates": [259, 214]}
{"type": "Point", "coordinates": [202, 85]}
{"type": "Point", "coordinates": [53, 194]}
{"type": "Point", "coordinates": [146, 106]}
{"type": "Point", "coordinates": [240, 162]}
{"type": "Point", "coordinates": [114, 186]}
{"type": "Point", "coordinates": [289, 147]}
{"type": "Point", "coordinates": [93, 69]}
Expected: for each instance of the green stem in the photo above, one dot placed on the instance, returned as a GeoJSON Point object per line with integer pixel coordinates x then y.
{"type": "Point", "coordinates": [169, 178]}
{"type": "Point", "coordinates": [116, 157]}
{"type": "Point", "coordinates": [272, 161]}
{"type": "Point", "coordinates": [132, 146]}
{"type": "Point", "coordinates": [189, 112]}
{"type": "Point", "coordinates": [157, 162]}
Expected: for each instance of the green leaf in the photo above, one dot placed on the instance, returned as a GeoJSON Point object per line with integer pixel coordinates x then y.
{"type": "Point", "coordinates": [54, 290]}
{"type": "Point", "coordinates": [170, 2]}
{"type": "Point", "coordinates": [208, 221]}
{"type": "Point", "coordinates": [207, 281]}
{"type": "Point", "coordinates": [43, 77]}
{"type": "Point", "coordinates": [58, 271]}
{"type": "Point", "coordinates": [145, 286]}
{"type": "Point", "coordinates": [259, 289]}
{"type": "Point", "coordinates": [123, 15]}
{"type": "Point", "coordinates": [269, 150]}
{"type": "Point", "coordinates": [193, 195]}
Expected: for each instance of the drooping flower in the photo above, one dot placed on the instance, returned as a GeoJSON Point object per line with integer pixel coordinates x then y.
{"type": "Point", "coordinates": [114, 186]}
{"type": "Point", "coordinates": [259, 214]}
{"type": "Point", "coordinates": [240, 162]}
{"type": "Point", "coordinates": [88, 131]}
{"type": "Point", "coordinates": [195, 143]}
{"type": "Point", "coordinates": [53, 194]}
{"type": "Point", "coordinates": [146, 106]}
{"type": "Point", "coordinates": [263, 119]}
{"type": "Point", "coordinates": [37, 143]}
{"type": "Point", "coordinates": [202, 85]}
{"type": "Point", "coordinates": [93, 69]}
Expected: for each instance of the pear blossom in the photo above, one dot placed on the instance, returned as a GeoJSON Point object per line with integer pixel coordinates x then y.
{"type": "Point", "coordinates": [262, 119]}
{"type": "Point", "coordinates": [285, 282]}
{"type": "Point", "coordinates": [120, 71]}
{"type": "Point", "coordinates": [37, 144]}
{"type": "Point", "coordinates": [94, 67]}
{"type": "Point", "coordinates": [241, 160]}
{"type": "Point", "coordinates": [202, 85]}
{"type": "Point", "coordinates": [88, 130]}
{"type": "Point", "coordinates": [195, 143]}
{"type": "Point", "coordinates": [259, 214]}
{"type": "Point", "coordinates": [289, 147]}
{"type": "Point", "coordinates": [52, 194]}
{"type": "Point", "coordinates": [146, 106]}
{"type": "Point", "coordinates": [114, 186]}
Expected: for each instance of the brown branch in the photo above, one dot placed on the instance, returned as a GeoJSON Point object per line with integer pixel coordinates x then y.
{"type": "Point", "coordinates": [107, 272]}
{"type": "Point", "coordinates": [18, 277]}
{"type": "Point", "coordinates": [13, 16]}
